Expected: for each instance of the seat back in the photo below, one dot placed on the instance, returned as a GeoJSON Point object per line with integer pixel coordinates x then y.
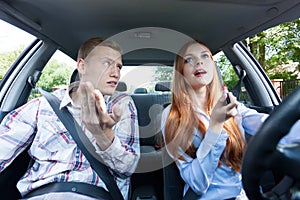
{"type": "Point", "coordinates": [11, 175]}
{"type": "Point", "coordinates": [149, 170]}
{"type": "Point", "coordinates": [121, 87]}
{"type": "Point", "coordinates": [140, 91]}
{"type": "Point", "coordinates": [149, 108]}
{"type": "Point", "coordinates": [173, 183]}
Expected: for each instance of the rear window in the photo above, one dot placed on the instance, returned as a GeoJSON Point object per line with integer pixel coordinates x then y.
{"type": "Point", "coordinates": [145, 77]}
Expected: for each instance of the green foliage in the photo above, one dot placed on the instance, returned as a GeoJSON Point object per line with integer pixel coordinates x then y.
{"type": "Point", "coordinates": [163, 73]}
{"type": "Point", "coordinates": [7, 59]}
{"type": "Point", "coordinates": [228, 74]}
{"type": "Point", "coordinates": [278, 50]}
{"type": "Point", "coordinates": [54, 75]}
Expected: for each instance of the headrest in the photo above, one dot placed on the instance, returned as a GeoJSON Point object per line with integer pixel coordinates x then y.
{"type": "Point", "coordinates": [140, 90]}
{"type": "Point", "coordinates": [121, 87]}
{"type": "Point", "coordinates": [74, 76]}
{"type": "Point", "coordinates": [163, 86]}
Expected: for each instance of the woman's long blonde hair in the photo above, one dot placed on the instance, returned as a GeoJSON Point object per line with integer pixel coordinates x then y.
{"type": "Point", "coordinates": [182, 119]}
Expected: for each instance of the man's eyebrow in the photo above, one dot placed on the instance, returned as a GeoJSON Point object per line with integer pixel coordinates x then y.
{"type": "Point", "coordinates": [107, 58]}
{"type": "Point", "coordinates": [114, 60]}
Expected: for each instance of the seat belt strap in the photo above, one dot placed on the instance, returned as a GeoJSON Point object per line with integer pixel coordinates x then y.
{"type": "Point", "coordinates": [191, 195]}
{"type": "Point", "coordinates": [237, 88]}
{"type": "Point", "coordinates": [84, 144]}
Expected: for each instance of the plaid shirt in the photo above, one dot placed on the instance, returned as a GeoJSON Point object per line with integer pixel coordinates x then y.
{"type": "Point", "coordinates": [56, 155]}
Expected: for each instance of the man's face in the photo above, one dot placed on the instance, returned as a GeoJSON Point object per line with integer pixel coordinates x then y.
{"type": "Point", "coordinates": [102, 68]}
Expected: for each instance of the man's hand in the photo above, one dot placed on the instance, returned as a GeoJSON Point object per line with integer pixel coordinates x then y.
{"type": "Point", "coordinates": [94, 114]}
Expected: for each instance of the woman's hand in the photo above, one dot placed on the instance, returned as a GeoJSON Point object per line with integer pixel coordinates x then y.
{"type": "Point", "coordinates": [222, 111]}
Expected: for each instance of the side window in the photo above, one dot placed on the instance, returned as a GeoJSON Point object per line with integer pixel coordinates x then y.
{"type": "Point", "coordinates": [13, 41]}
{"type": "Point", "coordinates": [230, 78]}
{"type": "Point", "coordinates": [277, 51]}
{"type": "Point", "coordinates": [56, 74]}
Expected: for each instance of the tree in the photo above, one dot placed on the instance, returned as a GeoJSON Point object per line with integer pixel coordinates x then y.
{"type": "Point", "coordinates": [278, 50]}
{"type": "Point", "coordinates": [228, 74]}
{"type": "Point", "coordinates": [55, 73]}
{"type": "Point", "coordinates": [7, 59]}
{"type": "Point", "coordinates": [163, 73]}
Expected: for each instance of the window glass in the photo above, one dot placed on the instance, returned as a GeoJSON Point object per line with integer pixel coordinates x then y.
{"type": "Point", "coordinates": [13, 41]}
{"type": "Point", "coordinates": [278, 52]}
{"type": "Point", "coordinates": [56, 74]}
{"type": "Point", "coordinates": [145, 77]}
{"type": "Point", "coordinates": [230, 78]}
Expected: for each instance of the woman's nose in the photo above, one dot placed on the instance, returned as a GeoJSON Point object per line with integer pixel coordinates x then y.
{"type": "Point", "coordinates": [199, 62]}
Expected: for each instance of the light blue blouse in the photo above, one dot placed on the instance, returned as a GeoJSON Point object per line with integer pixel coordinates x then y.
{"type": "Point", "coordinates": [202, 174]}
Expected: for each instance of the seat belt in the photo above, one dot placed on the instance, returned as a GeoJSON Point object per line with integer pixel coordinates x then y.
{"type": "Point", "coordinates": [191, 195]}
{"type": "Point", "coordinates": [237, 88]}
{"type": "Point", "coordinates": [84, 144]}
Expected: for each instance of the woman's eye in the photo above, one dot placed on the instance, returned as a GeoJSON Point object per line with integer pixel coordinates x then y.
{"type": "Point", "coordinates": [205, 56]}
{"type": "Point", "coordinates": [188, 60]}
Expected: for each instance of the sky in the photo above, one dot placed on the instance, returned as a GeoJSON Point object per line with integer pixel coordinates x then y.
{"type": "Point", "coordinates": [12, 38]}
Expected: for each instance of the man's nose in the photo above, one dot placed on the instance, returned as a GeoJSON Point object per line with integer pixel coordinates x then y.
{"type": "Point", "coordinates": [115, 71]}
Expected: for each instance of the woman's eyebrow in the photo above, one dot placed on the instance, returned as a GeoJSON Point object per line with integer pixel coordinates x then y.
{"type": "Point", "coordinates": [205, 51]}
{"type": "Point", "coordinates": [191, 54]}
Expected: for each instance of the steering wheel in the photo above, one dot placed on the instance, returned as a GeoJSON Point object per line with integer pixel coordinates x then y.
{"type": "Point", "coordinates": [263, 154]}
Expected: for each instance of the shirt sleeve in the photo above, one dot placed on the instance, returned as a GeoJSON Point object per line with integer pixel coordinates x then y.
{"type": "Point", "coordinates": [251, 119]}
{"type": "Point", "coordinates": [17, 131]}
{"type": "Point", "coordinates": [123, 154]}
{"type": "Point", "coordinates": [198, 173]}
{"type": "Point", "coordinates": [293, 136]}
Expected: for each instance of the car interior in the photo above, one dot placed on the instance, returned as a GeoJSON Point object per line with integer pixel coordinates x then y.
{"type": "Point", "coordinates": [150, 33]}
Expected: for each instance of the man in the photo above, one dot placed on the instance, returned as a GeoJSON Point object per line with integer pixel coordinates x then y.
{"type": "Point", "coordinates": [109, 120]}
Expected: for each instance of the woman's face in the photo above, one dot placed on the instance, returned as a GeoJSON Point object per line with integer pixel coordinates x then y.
{"type": "Point", "coordinates": [198, 66]}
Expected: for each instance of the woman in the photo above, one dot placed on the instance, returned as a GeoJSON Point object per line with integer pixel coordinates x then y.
{"type": "Point", "coordinates": [203, 133]}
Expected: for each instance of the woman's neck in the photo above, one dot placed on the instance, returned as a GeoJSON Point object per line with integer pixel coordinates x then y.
{"type": "Point", "coordinates": [199, 98]}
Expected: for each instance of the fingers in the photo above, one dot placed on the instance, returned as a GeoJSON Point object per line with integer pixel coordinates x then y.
{"type": "Point", "coordinates": [88, 111]}
{"type": "Point", "coordinates": [100, 102]}
{"type": "Point", "coordinates": [117, 113]}
{"type": "Point", "coordinates": [94, 109]}
{"type": "Point", "coordinates": [101, 108]}
{"type": "Point", "coordinates": [224, 110]}
{"type": "Point", "coordinates": [105, 119]}
{"type": "Point", "coordinates": [231, 107]}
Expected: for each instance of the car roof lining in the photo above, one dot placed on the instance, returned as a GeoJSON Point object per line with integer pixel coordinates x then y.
{"type": "Point", "coordinates": [107, 18]}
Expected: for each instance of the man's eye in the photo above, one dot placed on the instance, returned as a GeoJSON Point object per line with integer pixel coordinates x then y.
{"type": "Point", "coordinates": [188, 60]}
{"type": "Point", "coordinates": [107, 63]}
{"type": "Point", "coordinates": [120, 67]}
